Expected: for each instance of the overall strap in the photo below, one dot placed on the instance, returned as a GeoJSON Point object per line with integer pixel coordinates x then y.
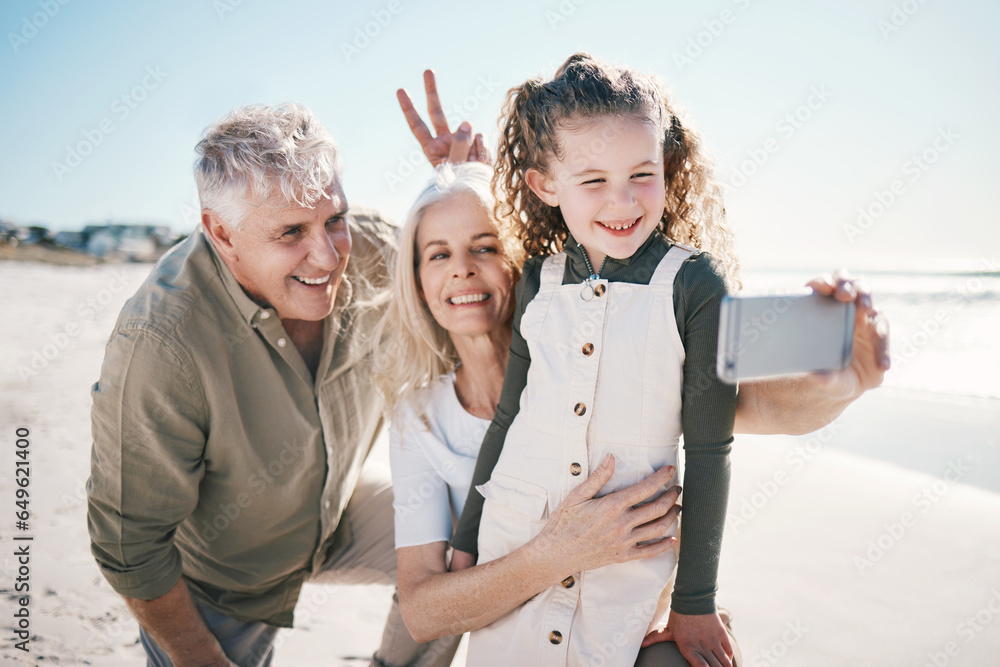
{"type": "Point", "coordinates": [668, 267]}
{"type": "Point", "coordinates": [552, 271]}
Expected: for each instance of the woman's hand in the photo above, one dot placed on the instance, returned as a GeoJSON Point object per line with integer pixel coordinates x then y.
{"type": "Point", "coordinates": [584, 533]}
{"type": "Point", "coordinates": [447, 146]}
{"type": "Point", "coordinates": [870, 359]}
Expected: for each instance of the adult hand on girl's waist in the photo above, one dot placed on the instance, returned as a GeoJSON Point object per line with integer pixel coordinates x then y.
{"type": "Point", "coordinates": [585, 533]}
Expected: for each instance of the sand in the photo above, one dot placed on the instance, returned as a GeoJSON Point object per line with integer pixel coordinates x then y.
{"type": "Point", "coordinates": [873, 542]}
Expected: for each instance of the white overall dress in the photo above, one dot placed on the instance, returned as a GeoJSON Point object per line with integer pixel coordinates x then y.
{"type": "Point", "coordinates": [606, 376]}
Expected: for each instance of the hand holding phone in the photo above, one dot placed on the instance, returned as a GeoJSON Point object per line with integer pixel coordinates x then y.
{"type": "Point", "coordinates": [769, 336]}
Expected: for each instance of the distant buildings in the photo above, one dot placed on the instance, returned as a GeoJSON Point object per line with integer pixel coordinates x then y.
{"type": "Point", "coordinates": [113, 242]}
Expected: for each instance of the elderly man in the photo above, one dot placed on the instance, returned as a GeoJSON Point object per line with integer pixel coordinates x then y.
{"type": "Point", "coordinates": [234, 410]}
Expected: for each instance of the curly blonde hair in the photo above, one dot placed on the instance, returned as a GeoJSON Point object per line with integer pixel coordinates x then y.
{"type": "Point", "coordinates": [585, 88]}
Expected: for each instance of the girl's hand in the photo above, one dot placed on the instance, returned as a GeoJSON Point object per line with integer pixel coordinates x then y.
{"type": "Point", "coordinates": [584, 533]}
{"type": "Point", "coordinates": [461, 560]}
{"type": "Point", "coordinates": [454, 147]}
{"type": "Point", "coordinates": [702, 639]}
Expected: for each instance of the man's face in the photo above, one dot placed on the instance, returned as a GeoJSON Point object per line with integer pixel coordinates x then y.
{"type": "Point", "coordinates": [293, 259]}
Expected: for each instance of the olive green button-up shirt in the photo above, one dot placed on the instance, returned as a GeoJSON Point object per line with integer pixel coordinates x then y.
{"type": "Point", "coordinates": [217, 455]}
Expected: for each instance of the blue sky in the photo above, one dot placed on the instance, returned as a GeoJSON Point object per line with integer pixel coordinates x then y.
{"type": "Point", "coordinates": [815, 112]}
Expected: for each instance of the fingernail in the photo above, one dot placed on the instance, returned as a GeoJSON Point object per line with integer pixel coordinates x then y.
{"type": "Point", "coordinates": [677, 488]}
{"type": "Point", "coordinates": [464, 127]}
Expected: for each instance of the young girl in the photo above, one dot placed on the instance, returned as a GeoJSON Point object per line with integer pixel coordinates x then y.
{"type": "Point", "coordinates": [613, 353]}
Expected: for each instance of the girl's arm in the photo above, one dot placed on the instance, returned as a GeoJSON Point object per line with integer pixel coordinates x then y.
{"type": "Point", "coordinates": [708, 409]}
{"type": "Point", "coordinates": [583, 533]}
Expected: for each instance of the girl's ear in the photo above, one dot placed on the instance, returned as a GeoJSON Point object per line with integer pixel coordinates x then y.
{"type": "Point", "coordinates": [541, 185]}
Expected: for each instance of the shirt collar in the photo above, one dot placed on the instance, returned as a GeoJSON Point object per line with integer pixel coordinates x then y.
{"type": "Point", "coordinates": [575, 254]}
{"type": "Point", "coordinates": [248, 308]}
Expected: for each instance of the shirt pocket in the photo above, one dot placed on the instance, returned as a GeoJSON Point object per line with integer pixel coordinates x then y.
{"type": "Point", "coordinates": [514, 512]}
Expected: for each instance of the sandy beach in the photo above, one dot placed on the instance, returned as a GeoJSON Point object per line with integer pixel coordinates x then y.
{"type": "Point", "coordinates": [875, 541]}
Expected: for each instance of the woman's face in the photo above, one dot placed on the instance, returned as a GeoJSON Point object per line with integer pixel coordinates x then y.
{"type": "Point", "coordinates": [462, 272]}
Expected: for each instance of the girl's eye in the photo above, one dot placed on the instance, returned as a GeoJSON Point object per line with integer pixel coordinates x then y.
{"type": "Point", "coordinates": [644, 175]}
{"type": "Point", "coordinates": [489, 249]}
{"type": "Point", "coordinates": [594, 181]}
{"type": "Point", "coordinates": [440, 255]}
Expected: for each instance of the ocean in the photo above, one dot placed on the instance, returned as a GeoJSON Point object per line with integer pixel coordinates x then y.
{"type": "Point", "coordinates": [944, 325]}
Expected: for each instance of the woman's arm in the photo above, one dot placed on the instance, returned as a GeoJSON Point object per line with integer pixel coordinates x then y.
{"type": "Point", "coordinates": [583, 533]}
{"type": "Point", "coordinates": [804, 404]}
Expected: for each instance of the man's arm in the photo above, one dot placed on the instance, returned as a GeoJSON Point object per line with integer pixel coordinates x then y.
{"type": "Point", "coordinates": [804, 404]}
{"type": "Point", "coordinates": [146, 466]}
{"type": "Point", "coordinates": [175, 625]}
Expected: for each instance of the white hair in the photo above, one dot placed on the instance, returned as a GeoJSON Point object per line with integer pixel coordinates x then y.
{"type": "Point", "coordinates": [264, 155]}
{"type": "Point", "coordinates": [415, 350]}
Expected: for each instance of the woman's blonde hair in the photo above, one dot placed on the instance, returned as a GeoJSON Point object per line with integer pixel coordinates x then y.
{"type": "Point", "coordinates": [414, 350]}
{"type": "Point", "coordinates": [585, 88]}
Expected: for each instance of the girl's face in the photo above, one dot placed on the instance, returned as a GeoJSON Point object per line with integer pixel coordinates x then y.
{"type": "Point", "coordinates": [464, 276]}
{"type": "Point", "coordinates": [608, 184]}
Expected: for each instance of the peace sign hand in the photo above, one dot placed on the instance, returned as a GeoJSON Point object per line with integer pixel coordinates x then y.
{"type": "Point", "coordinates": [454, 147]}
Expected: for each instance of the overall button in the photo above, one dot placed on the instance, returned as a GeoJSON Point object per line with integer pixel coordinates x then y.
{"type": "Point", "coordinates": [599, 290]}
{"type": "Point", "coordinates": [575, 469]}
{"type": "Point", "coordinates": [555, 637]}
{"type": "Point", "coordinates": [588, 349]}
{"type": "Point", "coordinates": [579, 409]}
{"type": "Point", "coordinates": [264, 315]}
{"type": "Point", "coordinates": [568, 582]}
{"type": "Point", "coordinates": [282, 342]}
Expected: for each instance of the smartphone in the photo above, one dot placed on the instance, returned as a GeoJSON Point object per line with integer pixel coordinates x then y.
{"type": "Point", "coordinates": [788, 334]}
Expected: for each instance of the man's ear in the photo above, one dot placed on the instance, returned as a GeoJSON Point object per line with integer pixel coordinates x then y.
{"type": "Point", "coordinates": [541, 185]}
{"type": "Point", "coordinates": [218, 232]}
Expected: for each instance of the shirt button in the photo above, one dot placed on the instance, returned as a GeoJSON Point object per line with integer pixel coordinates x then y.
{"type": "Point", "coordinates": [555, 637]}
{"type": "Point", "coordinates": [599, 290]}
{"type": "Point", "coordinates": [579, 409]}
{"type": "Point", "coordinates": [264, 315]}
{"type": "Point", "coordinates": [575, 469]}
{"type": "Point", "coordinates": [281, 342]}
{"type": "Point", "coordinates": [568, 582]}
{"type": "Point", "coordinates": [588, 349]}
